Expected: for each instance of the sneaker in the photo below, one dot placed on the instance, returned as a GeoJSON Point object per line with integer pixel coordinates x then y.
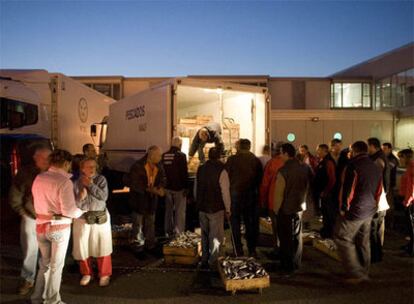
{"type": "Point", "coordinates": [86, 279]}
{"type": "Point", "coordinates": [25, 288]}
{"type": "Point", "coordinates": [104, 281]}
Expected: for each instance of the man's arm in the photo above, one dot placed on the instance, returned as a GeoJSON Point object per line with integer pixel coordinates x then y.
{"type": "Point", "coordinates": [16, 195]}
{"type": "Point", "coordinates": [330, 167]}
{"type": "Point", "coordinates": [194, 145]}
{"type": "Point", "coordinates": [348, 185]}
{"type": "Point", "coordinates": [279, 193]}
{"type": "Point", "coordinates": [225, 189]}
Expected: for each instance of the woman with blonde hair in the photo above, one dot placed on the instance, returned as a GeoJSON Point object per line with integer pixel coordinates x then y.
{"type": "Point", "coordinates": [92, 236]}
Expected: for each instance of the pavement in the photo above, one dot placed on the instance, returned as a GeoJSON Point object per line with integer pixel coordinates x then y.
{"type": "Point", "coordinates": [149, 280]}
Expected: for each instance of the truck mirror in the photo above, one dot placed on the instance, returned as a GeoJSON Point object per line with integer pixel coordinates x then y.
{"type": "Point", "coordinates": [93, 130]}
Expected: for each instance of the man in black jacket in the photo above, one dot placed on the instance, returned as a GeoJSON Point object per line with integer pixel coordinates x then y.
{"type": "Point", "coordinates": [245, 173]}
{"type": "Point", "coordinates": [175, 166]}
{"type": "Point", "coordinates": [323, 189]}
{"type": "Point", "coordinates": [147, 182]}
{"type": "Point", "coordinates": [292, 187]}
{"type": "Point", "coordinates": [207, 134]}
{"type": "Point", "coordinates": [21, 200]}
{"type": "Point", "coordinates": [378, 221]}
{"type": "Point", "coordinates": [212, 192]}
{"type": "Point", "coordinates": [360, 193]}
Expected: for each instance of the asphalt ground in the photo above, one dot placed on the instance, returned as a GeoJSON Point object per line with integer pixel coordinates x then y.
{"type": "Point", "coordinates": [147, 279]}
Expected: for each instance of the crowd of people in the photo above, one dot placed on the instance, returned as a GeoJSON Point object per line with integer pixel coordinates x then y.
{"type": "Point", "coordinates": [350, 189]}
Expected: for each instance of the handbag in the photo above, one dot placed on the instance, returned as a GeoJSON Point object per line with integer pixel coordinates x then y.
{"type": "Point", "coordinates": [96, 217]}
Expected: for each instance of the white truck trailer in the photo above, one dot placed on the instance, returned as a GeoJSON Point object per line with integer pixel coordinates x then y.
{"type": "Point", "coordinates": [179, 107]}
{"type": "Point", "coordinates": [49, 107]}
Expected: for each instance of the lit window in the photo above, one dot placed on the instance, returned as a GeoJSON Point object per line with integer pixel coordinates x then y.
{"type": "Point", "coordinates": [291, 137]}
{"type": "Point", "coordinates": [351, 95]}
{"type": "Point", "coordinates": [338, 135]}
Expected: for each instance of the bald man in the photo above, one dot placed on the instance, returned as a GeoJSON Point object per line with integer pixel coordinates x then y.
{"type": "Point", "coordinates": [147, 181]}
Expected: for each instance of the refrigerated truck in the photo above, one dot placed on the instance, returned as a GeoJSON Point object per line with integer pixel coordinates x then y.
{"type": "Point", "coordinates": [154, 116]}
{"type": "Point", "coordinates": [38, 106]}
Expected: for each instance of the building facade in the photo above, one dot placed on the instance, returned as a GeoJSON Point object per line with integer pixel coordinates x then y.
{"type": "Point", "coordinates": [371, 99]}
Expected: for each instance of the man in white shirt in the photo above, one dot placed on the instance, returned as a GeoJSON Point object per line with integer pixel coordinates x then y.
{"type": "Point", "coordinates": [55, 207]}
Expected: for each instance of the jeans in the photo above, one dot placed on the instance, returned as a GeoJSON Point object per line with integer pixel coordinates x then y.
{"type": "Point", "coordinates": [212, 236]}
{"type": "Point", "coordinates": [53, 245]}
{"type": "Point", "coordinates": [30, 248]}
{"type": "Point", "coordinates": [243, 206]}
{"type": "Point", "coordinates": [290, 236]}
{"type": "Point", "coordinates": [352, 239]}
{"type": "Point", "coordinates": [377, 236]}
{"type": "Point", "coordinates": [175, 208]}
{"type": "Point", "coordinates": [143, 229]}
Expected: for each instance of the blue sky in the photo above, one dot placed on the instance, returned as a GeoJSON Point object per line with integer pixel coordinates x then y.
{"type": "Point", "coordinates": [178, 38]}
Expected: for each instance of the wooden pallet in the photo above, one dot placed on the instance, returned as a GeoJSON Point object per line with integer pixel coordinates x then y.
{"type": "Point", "coordinates": [248, 284]}
{"type": "Point", "coordinates": [328, 251]}
{"type": "Point", "coordinates": [181, 260]}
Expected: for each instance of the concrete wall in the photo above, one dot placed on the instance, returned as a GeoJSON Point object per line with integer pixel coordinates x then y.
{"type": "Point", "coordinates": [318, 94]}
{"type": "Point", "coordinates": [319, 126]}
{"type": "Point", "coordinates": [314, 95]}
{"type": "Point", "coordinates": [281, 94]}
{"type": "Point", "coordinates": [404, 133]}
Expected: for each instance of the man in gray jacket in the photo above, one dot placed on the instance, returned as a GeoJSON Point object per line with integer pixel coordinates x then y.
{"type": "Point", "coordinates": [292, 188]}
{"type": "Point", "coordinates": [21, 200]}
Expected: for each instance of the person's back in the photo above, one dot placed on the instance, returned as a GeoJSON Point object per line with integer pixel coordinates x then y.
{"type": "Point", "coordinates": [175, 166]}
{"type": "Point", "coordinates": [297, 177]}
{"type": "Point", "coordinates": [245, 171]}
{"type": "Point", "coordinates": [363, 177]}
{"type": "Point", "coordinates": [209, 196]}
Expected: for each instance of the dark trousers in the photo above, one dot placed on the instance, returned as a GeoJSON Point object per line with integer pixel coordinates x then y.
{"type": "Point", "coordinates": [290, 235]}
{"type": "Point", "coordinates": [329, 214]}
{"type": "Point", "coordinates": [377, 236]}
{"type": "Point", "coordinates": [244, 207]}
{"type": "Point", "coordinates": [410, 217]}
{"type": "Point", "coordinates": [275, 235]}
{"type": "Point", "coordinates": [352, 239]}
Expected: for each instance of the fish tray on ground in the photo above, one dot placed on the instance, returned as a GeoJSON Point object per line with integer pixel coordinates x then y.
{"type": "Point", "coordinates": [309, 236]}
{"type": "Point", "coordinates": [234, 285]}
{"type": "Point", "coordinates": [328, 247]}
{"type": "Point", "coordinates": [181, 260]}
{"type": "Point", "coordinates": [180, 251]}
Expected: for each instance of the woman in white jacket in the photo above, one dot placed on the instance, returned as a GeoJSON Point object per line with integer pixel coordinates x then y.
{"type": "Point", "coordinates": [92, 235]}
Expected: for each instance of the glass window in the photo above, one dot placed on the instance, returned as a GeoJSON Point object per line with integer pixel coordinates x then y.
{"type": "Point", "coordinates": [386, 93]}
{"type": "Point", "coordinates": [291, 137]}
{"type": "Point", "coordinates": [16, 114]}
{"type": "Point", "coordinates": [351, 95]}
{"type": "Point", "coordinates": [103, 88]}
{"type": "Point", "coordinates": [116, 91]}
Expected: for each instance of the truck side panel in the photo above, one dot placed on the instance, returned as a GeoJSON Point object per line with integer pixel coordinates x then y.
{"type": "Point", "coordinates": [77, 108]}
{"type": "Point", "coordinates": [136, 123]}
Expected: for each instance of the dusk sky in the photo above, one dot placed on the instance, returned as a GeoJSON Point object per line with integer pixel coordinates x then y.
{"type": "Point", "coordinates": [178, 38]}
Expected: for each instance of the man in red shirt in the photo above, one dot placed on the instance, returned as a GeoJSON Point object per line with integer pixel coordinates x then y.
{"type": "Point", "coordinates": [267, 189]}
